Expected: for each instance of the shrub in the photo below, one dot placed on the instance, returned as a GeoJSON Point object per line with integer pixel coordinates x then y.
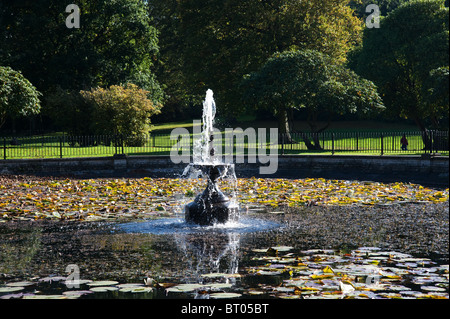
{"type": "Point", "coordinates": [122, 110]}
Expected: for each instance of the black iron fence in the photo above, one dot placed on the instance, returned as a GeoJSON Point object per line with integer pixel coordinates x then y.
{"type": "Point", "coordinates": [376, 143]}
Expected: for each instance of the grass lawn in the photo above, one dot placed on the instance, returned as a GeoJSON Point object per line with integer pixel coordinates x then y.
{"type": "Point", "coordinates": [368, 140]}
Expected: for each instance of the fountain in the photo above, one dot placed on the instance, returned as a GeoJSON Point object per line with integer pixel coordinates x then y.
{"type": "Point", "coordinates": [212, 206]}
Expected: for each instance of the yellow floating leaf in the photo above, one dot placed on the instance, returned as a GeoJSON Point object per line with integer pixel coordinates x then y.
{"type": "Point", "coordinates": [328, 270]}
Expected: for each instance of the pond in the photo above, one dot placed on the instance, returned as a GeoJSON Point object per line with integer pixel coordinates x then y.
{"type": "Point", "coordinates": [394, 251]}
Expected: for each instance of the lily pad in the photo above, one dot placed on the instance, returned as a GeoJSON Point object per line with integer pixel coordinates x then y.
{"type": "Point", "coordinates": [225, 295]}
{"type": "Point", "coordinates": [104, 289]}
{"type": "Point", "coordinates": [141, 289]}
{"type": "Point", "coordinates": [78, 293]}
{"type": "Point", "coordinates": [214, 275]}
{"type": "Point", "coordinates": [102, 283]}
{"type": "Point", "coordinates": [10, 289]}
{"type": "Point", "coordinates": [50, 279]}
{"type": "Point", "coordinates": [130, 285]}
{"type": "Point", "coordinates": [45, 297]}
{"type": "Point", "coordinates": [432, 289]}
{"type": "Point", "coordinates": [20, 284]}
{"type": "Point", "coordinates": [220, 286]}
{"type": "Point", "coordinates": [282, 248]}
{"type": "Point", "coordinates": [184, 288]}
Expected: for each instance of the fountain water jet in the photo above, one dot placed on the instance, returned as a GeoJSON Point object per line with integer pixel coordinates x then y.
{"type": "Point", "coordinates": [212, 206]}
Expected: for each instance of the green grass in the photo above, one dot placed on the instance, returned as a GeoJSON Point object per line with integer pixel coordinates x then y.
{"type": "Point", "coordinates": [158, 142]}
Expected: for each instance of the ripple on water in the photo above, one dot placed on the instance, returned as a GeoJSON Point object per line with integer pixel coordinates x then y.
{"type": "Point", "coordinates": [179, 225]}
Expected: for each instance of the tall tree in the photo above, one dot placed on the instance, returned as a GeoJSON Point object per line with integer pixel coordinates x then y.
{"type": "Point", "coordinates": [220, 41]}
{"type": "Point", "coordinates": [311, 80]}
{"type": "Point", "coordinates": [385, 6]}
{"type": "Point", "coordinates": [407, 57]}
{"type": "Point", "coordinates": [17, 95]}
{"type": "Point", "coordinates": [115, 43]}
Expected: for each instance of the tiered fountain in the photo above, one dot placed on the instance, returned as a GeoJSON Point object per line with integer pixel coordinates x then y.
{"type": "Point", "coordinates": [212, 206]}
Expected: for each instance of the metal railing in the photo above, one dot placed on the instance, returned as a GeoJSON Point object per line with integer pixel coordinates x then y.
{"type": "Point", "coordinates": [375, 143]}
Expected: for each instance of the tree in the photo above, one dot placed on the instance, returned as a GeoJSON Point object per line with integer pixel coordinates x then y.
{"type": "Point", "coordinates": [121, 110]}
{"type": "Point", "coordinates": [169, 66]}
{"type": "Point", "coordinates": [385, 6]}
{"type": "Point", "coordinates": [216, 42]}
{"type": "Point", "coordinates": [312, 80]}
{"type": "Point", "coordinates": [115, 44]}
{"type": "Point", "coordinates": [406, 58]}
{"type": "Point", "coordinates": [70, 111]}
{"type": "Point", "coordinates": [18, 97]}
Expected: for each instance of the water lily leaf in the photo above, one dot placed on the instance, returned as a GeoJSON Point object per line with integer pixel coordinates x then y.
{"type": "Point", "coordinates": [255, 292]}
{"type": "Point", "coordinates": [45, 297]}
{"type": "Point", "coordinates": [268, 273]}
{"type": "Point", "coordinates": [225, 295]}
{"type": "Point", "coordinates": [102, 283]}
{"type": "Point", "coordinates": [220, 286]}
{"type": "Point", "coordinates": [50, 279]}
{"type": "Point", "coordinates": [20, 284]}
{"type": "Point", "coordinates": [282, 248]}
{"type": "Point", "coordinates": [130, 285]}
{"type": "Point", "coordinates": [103, 289]}
{"type": "Point", "coordinates": [10, 289]}
{"type": "Point", "coordinates": [432, 289]}
{"type": "Point", "coordinates": [214, 275]}
{"type": "Point", "coordinates": [141, 289]}
{"type": "Point", "coordinates": [184, 288]}
{"type": "Point", "coordinates": [328, 270]}
{"type": "Point", "coordinates": [259, 250]}
{"type": "Point", "coordinates": [78, 293]}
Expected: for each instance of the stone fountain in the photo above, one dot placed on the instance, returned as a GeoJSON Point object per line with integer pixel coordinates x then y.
{"type": "Point", "coordinates": [212, 206]}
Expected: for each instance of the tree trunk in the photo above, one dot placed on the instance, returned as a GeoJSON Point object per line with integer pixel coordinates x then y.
{"type": "Point", "coordinates": [283, 127]}
{"type": "Point", "coordinates": [312, 122]}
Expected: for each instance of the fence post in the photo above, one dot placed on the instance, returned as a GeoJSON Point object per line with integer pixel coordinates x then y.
{"type": "Point", "coordinates": [60, 147]}
{"type": "Point", "coordinates": [282, 143]}
{"type": "Point", "coordinates": [431, 142]}
{"type": "Point", "coordinates": [393, 142]}
{"type": "Point", "coordinates": [382, 144]}
{"type": "Point", "coordinates": [357, 141]}
{"type": "Point", "coordinates": [332, 144]}
{"type": "Point", "coordinates": [4, 148]}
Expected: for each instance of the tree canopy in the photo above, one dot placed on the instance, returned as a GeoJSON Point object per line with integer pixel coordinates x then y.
{"type": "Point", "coordinates": [407, 57]}
{"type": "Point", "coordinates": [214, 43]}
{"type": "Point", "coordinates": [17, 95]}
{"type": "Point", "coordinates": [115, 43]}
{"type": "Point", "coordinates": [312, 80]}
{"type": "Point", "coordinates": [176, 49]}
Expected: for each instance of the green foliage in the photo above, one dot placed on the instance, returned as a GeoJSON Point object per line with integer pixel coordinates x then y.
{"type": "Point", "coordinates": [402, 57]}
{"type": "Point", "coordinates": [70, 111]}
{"type": "Point", "coordinates": [114, 44]}
{"type": "Point", "coordinates": [312, 80]}
{"type": "Point", "coordinates": [212, 44]}
{"type": "Point", "coordinates": [122, 110]}
{"type": "Point", "coordinates": [385, 6]}
{"type": "Point", "coordinates": [17, 95]}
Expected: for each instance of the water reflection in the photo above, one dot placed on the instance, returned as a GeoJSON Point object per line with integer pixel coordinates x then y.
{"type": "Point", "coordinates": [209, 253]}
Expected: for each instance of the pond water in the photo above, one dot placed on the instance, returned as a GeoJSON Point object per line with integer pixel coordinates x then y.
{"type": "Point", "coordinates": [180, 226]}
{"type": "Point", "coordinates": [315, 253]}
